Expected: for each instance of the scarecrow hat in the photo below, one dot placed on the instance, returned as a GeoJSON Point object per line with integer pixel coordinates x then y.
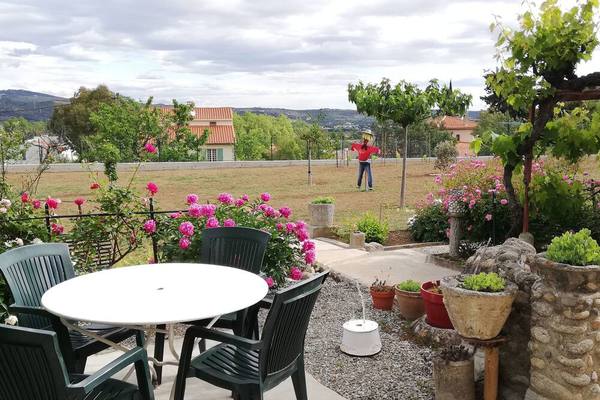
{"type": "Point", "coordinates": [367, 135]}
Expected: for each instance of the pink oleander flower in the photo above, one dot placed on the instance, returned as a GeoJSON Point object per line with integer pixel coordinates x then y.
{"type": "Point", "coordinates": [152, 188]}
{"type": "Point", "coordinates": [184, 243]}
{"type": "Point", "coordinates": [52, 203]}
{"type": "Point", "coordinates": [295, 273]}
{"type": "Point", "coordinates": [36, 204]}
{"type": "Point", "coordinates": [175, 215]}
{"type": "Point", "coordinates": [95, 185]}
{"type": "Point", "coordinates": [438, 180]}
{"type": "Point", "coordinates": [239, 202]}
{"type": "Point", "coordinates": [150, 148]}
{"type": "Point", "coordinates": [566, 177]}
{"type": "Point", "coordinates": [290, 227]}
{"type": "Point", "coordinates": [504, 202]}
{"type": "Point", "coordinates": [186, 228]}
{"type": "Point", "coordinates": [212, 222]}
{"type": "Point", "coordinates": [265, 197]}
{"type": "Point", "coordinates": [472, 204]}
{"type": "Point", "coordinates": [429, 198]}
{"type": "Point", "coordinates": [225, 198]}
{"type": "Point", "coordinates": [488, 217]}
{"type": "Point", "coordinates": [195, 210]}
{"type": "Point", "coordinates": [24, 197]}
{"type": "Point", "coordinates": [191, 198]}
{"type": "Point", "coordinates": [279, 226]}
{"type": "Point", "coordinates": [245, 197]}
{"type": "Point", "coordinates": [308, 245]}
{"type": "Point", "coordinates": [208, 210]}
{"type": "Point", "coordinates": [310, 257]}
{"type": "Point", "coordinates": [79, 201]}
{"type": "Point", "coordinates": [285, 212]}
{"type": "Point", "coordinates": [57, 229]}
{"type": "Point", "coordinates": [229, 223]}
{"type": "Point", "coordinates": [150, 226]}
{"type": "Point", "coordinates": [270, 282]}
{"type": "Point", "coordinates": [302, 234]}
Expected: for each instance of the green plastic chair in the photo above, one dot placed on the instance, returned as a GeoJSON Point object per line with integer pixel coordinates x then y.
{"type": "Point", "coordinates": [29, 272]}
{"type": "Point", "coordinates": [32, 368]}
{"type": "Point", "coordinates": [250, 367]}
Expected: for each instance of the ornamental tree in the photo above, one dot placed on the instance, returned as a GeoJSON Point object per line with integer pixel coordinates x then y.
{"type": "Point", "coordinates": [406, 104]}
{"type": "Point", "coordinates": [535, 76]}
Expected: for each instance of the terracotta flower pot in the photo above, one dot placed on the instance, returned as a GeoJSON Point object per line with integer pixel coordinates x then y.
{"type": "Point", "coordinates": [478, 315]}
{"type": "Point", "coordinates": [383, 300]}
{"type": "Point", "coordinates": [410, 304]}
{"type": "Point", "coordinates": [437, 316]}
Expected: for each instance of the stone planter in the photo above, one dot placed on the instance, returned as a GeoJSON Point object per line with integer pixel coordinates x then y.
{"type": "Point", "coordinates": [565, 331]}
{"type": "Point", "coordinates": [454, 380]}
{"type": "Point", "coordinates": [410, 304]}
{"type": "Point", "coordinates": [477, 315]}
{"type": "Point", "coordinates": [321, 214]}
{"type": "Point", "coordinates": [357, 240]}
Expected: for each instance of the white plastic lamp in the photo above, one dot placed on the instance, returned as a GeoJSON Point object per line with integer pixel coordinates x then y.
{"type": "Point", "coordinates": [361, 336]}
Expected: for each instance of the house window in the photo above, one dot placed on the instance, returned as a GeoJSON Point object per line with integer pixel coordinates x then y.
{"type": "Point", "coordinates": [213, 123]}
{"type": "Point", "coordinates": [211, 154]}
{"type": "Point", "coordinates": [458, 137]}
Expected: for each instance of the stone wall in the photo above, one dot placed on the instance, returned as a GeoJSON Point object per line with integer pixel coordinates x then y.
{"type": "Point", "coordinates": [511, 261]}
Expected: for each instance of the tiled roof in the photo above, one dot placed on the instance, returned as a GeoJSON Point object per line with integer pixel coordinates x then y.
{"type": "Point", "coordinates": [456, 123]}
{"type": "Point", "coordinates": [219, 134]}
{"type": "Point", "coordinates": [214, 113]}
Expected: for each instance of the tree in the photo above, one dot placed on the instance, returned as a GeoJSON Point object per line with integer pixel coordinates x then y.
{"type": "Point", "coordinates": [11, 148]}
{"type": "Point", "coordinates": [178, 143]}
{"type": "Point", "coordinates": [71, 122]}
{"type": "Point", "coordinates": [536, 74]}
{"type": "Point", "coordinates": [490, 125]}
{"type": "Point", "coordinates": [406, 104]}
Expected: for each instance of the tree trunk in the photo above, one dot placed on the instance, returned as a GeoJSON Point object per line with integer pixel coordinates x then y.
{"type": "Point", "coordinates": [403, 182]}
{"type": "Point", "coordinates": [516, 210]}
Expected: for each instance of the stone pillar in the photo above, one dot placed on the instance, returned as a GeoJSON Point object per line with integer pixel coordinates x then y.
{"type": "Point", "coordinates": [455, 234]}
{"type": "Point", "coordinates": [357, 240]}
{"type": "Point", "coordinates": [565, 332]}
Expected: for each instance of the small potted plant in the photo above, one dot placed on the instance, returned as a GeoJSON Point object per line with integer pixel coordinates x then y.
{"type": "Point", "coordinates": [321, 211]}
{"type": "Point", "coordinates": [382, 295]}
{"type": "Point", "coordinates": [478, 305]}
{"type": "Point", "coordinates": [453, 374]}
{"type": "Point", "coordinates": [409, 300]}
{"type": "Point", "coordinates": [437, 316]}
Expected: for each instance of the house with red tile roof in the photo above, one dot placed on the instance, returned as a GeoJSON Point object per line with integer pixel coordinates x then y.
{"type": "Point", "coordinates": [461, 129]}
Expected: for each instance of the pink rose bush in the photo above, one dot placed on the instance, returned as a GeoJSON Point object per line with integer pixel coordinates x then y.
{"type": "Point", "coordinates": [289, 250]}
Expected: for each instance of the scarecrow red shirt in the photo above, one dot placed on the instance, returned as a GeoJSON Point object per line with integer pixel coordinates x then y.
{"type": "Point", "coordinates": [364, 154]}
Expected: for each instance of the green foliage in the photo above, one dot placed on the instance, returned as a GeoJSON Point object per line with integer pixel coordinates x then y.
{"type": "Point", "coordinates": [429, 224]}
{"type": "Point", "coordinates": [490, 126]}
{"type": "Point", "coordinates": [575, 249]}
{"type": "Point", "coordinates": [374, 230]}
{"type": "Point", "coordinates": [484, 282]}
{"type": "Point", "coordinates": [409, 286]}
{"type": "Point", "coordinates": [178, 143]}
{"type": "Point", "coordinates": [11, 148]}
{"type": "Point", "coordinates": [323, 200]}
{"type": "Point", "coordinates": [423, 137]}
{"type": "Point", "coordinates": [446, 154]}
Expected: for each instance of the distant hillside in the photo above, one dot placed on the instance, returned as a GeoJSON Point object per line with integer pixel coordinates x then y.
{"type": "Point", "coordinates": [331, 118]}
{"type": "Point", "coordinates": [29, 105]}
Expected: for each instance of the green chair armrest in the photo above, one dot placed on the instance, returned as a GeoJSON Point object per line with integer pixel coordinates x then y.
{"type": "Point", "coordinates": [194, 332]}
{"type": "Point", "coordinates": [102, 375]}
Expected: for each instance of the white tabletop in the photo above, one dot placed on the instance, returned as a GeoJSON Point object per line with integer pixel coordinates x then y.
{"type": "Point", "coordinates": [155, 294]}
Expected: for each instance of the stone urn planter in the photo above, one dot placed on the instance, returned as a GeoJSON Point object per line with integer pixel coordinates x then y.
{"type": "Point", "coordinates": [454, 379]}
{"type": "Point", "coordinates": [477, 314]}
{"type": "Point", "coordinates": [321, 214]}
{"type": "Point", "coordinates": [437, 316]}
{"type": "Point", "coordinates": [410, 303]}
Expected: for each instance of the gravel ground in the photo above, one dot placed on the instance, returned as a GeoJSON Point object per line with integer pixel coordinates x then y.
{"type": "Point", "coordinates": [402, 370]}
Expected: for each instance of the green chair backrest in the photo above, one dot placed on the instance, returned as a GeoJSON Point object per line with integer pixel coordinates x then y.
{"type": "Point", "coordinates": [31, 366]}
{"type": "Point", "coordinates": [30, 271]}
{"type": "Point", "coordinates": [237, 247]}
{"type": "Point", "coordinates": [286, 325]}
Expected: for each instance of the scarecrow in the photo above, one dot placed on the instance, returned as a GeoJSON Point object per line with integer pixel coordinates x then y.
{"type": "Point", "coordinates": [364, 158]}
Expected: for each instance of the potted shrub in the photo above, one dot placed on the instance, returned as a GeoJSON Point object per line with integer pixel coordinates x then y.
{"type": "Point", "coordinates": [478, 305]}
{"type": "Point", "coordinates": [410, 302]}
{"type": "Point", "coordinates": [321, 211]}
{"type": "Point", "coordinates": [453, 374]}
{"type": "Point", "coordinates": [382, 295]}
{"type": "Point", "coordinates": [437, 316]}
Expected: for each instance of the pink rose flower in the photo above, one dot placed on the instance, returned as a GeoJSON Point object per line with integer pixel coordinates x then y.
{"type": "Point", "coordinates": [24, 197]}
{"type": "Point", "coordinates": [52, 203]}
{"type": "Point", "coordinates": [57, 229]}
{"type": "Point", "coordinates": [310, 257]}
{"type": "Point", "coordinates": [212, 222]}
{"type": "Point", "coordinates": [308, 245]}
{"type": "Point", "coordinates": [150, 226]}
{"type": "Point", "coordinates": [192, 198]}
{"type": "Point", "coordinates": [150, 148]}
{"type": "Point", "coordinates": [184, 243]}
{"type": "Point", "coordinates": [95, 185]}
{"type": "Point", "coordinates": [225, 198]}
{"type": "Point", "coordinates": [286, 212]}
{"type": "Point", "coordinates": [152, 188]}
{"type": "Point", "coordinates": [265, 197]}
{"type": "Point", "coordinates": [36, 204]}
{"type": "Point", "coordinates": [79, 201]}
{"type": "Point", "coordinates": [229, 223]}
{"type": "Point", "coordinates": [186, 228]}
{"type": "Point", "coordinates": [295, 273]}
{"type": "Point", "coordinates": [504, 202]}
{"type": "Point", "coordinates": [195, 210]}
{"type": "Point", "coordinates": [270, 282]}
{"type": "Point", "coordinates": [245, 197]}
{"type": "Point", "coordinates": [488, 217]}
{"type": "Point", "coordinates": [208, 210]}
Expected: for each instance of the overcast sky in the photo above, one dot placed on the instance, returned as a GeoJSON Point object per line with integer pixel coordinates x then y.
{"type": "Point", "coordinates": [242, 53]}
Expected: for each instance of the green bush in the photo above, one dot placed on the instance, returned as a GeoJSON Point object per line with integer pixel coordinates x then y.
{"type": "Point", "coordinates": [374, 230]}
{"type": "Point", "coordinates": [323, 200]}
{"type": "Point", "coordinates": [484, 282]}
{"type": "Point", "coordinates": [409, 286]}
{"type": "Point", "coordinates": [574, 248]}
{"type": "Point", "coordinates": [429, 224]}
{"type": "Point", "coordinates": [445, 155]}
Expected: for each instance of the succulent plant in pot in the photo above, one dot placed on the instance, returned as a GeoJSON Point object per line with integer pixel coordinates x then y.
{"type": "Point", "coordinates": [409, 300]}
{"type": "Point", "coordinates": [382, 295]}
{"type": "Point", "coordinates": [478, 305]}
{"type": "Point", "coordinates": [453, 374]}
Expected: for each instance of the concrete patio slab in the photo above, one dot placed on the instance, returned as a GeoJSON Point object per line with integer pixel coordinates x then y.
{"type": "Point", "coordinates": [197, 389]}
